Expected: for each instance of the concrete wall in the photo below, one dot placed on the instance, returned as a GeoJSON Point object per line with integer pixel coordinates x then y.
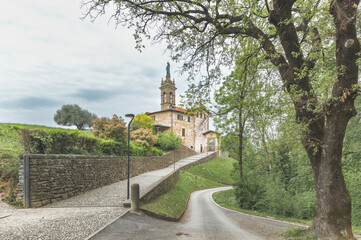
{"type": "Point", "coordinates": [58, 177]}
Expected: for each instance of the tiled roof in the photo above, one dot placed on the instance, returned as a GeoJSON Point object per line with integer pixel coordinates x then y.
{"type": "Point", "coordinates": [178, 109]}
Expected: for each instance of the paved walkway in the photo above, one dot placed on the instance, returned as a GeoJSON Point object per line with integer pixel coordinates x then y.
{"type": "Point", "coordinates": [80, 216]}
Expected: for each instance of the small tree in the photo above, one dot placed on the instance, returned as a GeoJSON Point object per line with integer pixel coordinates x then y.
{"type": "Point", "coordinates": [169, 141]}
{"type": "Point", "coordinates": [142, 121]}
{"type": "Point", "coordinates": [72, 114]}
{"type": "Point", "coordinates": [113, 128]}
{"type": "Point", "coordinates": [145, 137]}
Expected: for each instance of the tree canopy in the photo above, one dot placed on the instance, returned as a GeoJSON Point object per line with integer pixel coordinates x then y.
{"type": "Point", "coordinates": [72, 114]}
{"type": "Point", "coordinates": [110, 128]}
{"type": "Point", "coordinates": [313, 46]}
{"type": "Point", "coordinates": [142, 121]}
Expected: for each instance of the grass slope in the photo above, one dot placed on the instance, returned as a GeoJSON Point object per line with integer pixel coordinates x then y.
{"type": "Point", "coordinates": [219, 170]}
{"type": "Point", "coordinates": [174, 202]}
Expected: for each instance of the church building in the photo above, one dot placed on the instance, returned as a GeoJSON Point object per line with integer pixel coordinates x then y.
{"type": "Point", "coordinates": [192, 127]}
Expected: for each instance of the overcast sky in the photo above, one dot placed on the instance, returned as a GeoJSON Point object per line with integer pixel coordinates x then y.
{"type": "Point", "coordinates": [49, 57]}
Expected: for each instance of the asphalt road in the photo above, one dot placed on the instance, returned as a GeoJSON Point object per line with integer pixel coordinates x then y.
{"type": "Point", "coordinates": [203, 220]}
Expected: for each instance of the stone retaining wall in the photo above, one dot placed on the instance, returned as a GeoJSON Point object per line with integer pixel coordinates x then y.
{"type": "Point", "coordinates": [167, 183]}
{"type": "Point", "coordinates": [58, 177]}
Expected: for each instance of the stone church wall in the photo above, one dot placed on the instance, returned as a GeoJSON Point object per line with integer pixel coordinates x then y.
{"type": "Point", "coordinates": [56, 177]}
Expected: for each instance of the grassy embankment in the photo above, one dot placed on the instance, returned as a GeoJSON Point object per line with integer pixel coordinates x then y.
{"type": "Point", "coordinates": [207, 175]}
{"type": "Point", "coordinates": [227, 199]}
{"type": "Point", "coordinates": [10, 148]}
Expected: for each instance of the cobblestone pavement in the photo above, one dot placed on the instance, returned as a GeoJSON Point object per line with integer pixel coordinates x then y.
{"type": "Point", "coordinates": [77, 217]}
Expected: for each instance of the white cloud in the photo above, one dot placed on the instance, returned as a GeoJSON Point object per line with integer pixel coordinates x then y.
{"type": "Point", "coordinates": [49, 57]}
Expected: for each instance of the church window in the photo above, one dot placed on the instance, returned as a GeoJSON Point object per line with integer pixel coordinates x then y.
{"type": "Point", "coordinates": [183, 132]}
{"type": "Point", "coordinates": [164, 97]}
{"type": "Point", "coordinates": [171, 97]}
{"type": "Point", "coordinates": [153, 118]}
{"type": "Point", "coordinates": [197, 115]}
{"type": "Point", "coordinates": [189, 119]}
{"type": "Point", "coordinates": [201, 115]}
{"type": "Point", "coordinates": [180, 117]}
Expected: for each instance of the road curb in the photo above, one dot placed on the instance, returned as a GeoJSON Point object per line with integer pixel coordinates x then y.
{"type": "Point", "coordinates": [106, 225]}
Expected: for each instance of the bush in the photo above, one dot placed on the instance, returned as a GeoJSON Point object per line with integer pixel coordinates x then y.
{"type": "Point", "coordinates": [169, 141]}
{"type": "Point", "coordinates": [111, 129]}
{"type": "Point", "coordinates": [110, 147]}
{"type": "Point", "coordinates": [279, 200]}
{"type": "Point", "coordinates": [156, 152]}
{"type": "Point", "coordinates": [249, 191]}
{"type": "Point", "coordinates": [59, 141]}
{"type": "Point", "coordinates": [305, 204]}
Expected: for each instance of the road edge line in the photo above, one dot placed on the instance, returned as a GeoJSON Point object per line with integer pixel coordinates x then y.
{"type": "Point", "coordinates": [106, 225]}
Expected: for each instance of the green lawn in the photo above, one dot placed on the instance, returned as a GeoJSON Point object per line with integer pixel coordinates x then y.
{"type": "Point", "coordinates": [228, 200]}
{"type": "Point", "coordinates": [218, 170]}
{"type": "Point", "coordinates": [174, 202]}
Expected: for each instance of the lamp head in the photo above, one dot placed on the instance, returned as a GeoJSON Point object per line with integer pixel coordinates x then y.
{"type": "Point", "coordinates": [130, 115]}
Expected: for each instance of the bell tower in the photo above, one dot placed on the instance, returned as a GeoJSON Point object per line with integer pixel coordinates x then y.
{"type": "Point", "coordinates": [167, 91]}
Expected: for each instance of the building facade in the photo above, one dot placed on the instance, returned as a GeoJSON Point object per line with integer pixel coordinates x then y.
{"type": "Point", "coordinates": [192, 127]}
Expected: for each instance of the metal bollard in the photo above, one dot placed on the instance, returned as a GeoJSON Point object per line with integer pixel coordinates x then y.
{"type": "Point", "coordinates": [134, 197]}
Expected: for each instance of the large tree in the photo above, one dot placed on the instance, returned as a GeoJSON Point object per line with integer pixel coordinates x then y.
{"type": "Point", "coordinates": [243, 102]}
{"type": "Point", "coordinates": [312, 44]}
{"type": "Point", "coordinates": [72, 114]}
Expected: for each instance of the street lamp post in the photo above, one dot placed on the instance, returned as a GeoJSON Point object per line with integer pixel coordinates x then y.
{"type": "Point", "coordinates": [130, 115]}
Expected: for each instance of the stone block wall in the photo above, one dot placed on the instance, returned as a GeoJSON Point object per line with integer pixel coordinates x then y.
{"type": "Point", "coordinates": [167, 183]}
{"type": "Point", "coordinates": [58, 177]}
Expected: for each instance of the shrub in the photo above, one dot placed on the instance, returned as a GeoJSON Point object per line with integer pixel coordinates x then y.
{"type": "Point", "coordinates": [111, 129]}
{"type": "Point", "coordinates": [111, 147]}
{"type": "Point", "coordinates": [169, 141]}
{"type": "Point", "coordinates": [59, 141]}
{"type": "Point", "coordinates": [156, 152]}
{"type": "Point", "coordinates": [250, 190]}
{"type": "Point", "coordinates": [145, 138]}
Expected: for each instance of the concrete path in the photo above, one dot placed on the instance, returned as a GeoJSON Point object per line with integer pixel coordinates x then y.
{"type": "Point", "coordinates": [203, 220]}
{"type": "Point", "coordinates": [80, 216]}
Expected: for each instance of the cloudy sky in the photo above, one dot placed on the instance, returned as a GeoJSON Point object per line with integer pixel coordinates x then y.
{"type": "Point", "coordinates": [49, 57]}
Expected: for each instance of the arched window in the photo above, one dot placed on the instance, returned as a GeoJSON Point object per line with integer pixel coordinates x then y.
{"type": "Point", "coordinates": [164, 97]}
{"type": "Point", "coordinates": [171, 97]}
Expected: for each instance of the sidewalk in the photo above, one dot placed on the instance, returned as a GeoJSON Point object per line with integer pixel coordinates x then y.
{"type": "Point", "coordinates": [80, 216]}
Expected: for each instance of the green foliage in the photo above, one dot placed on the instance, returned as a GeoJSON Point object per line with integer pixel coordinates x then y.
{"type": "Point", "coordinates": [156, 152]}
{"type": "Point", "coordinates": [217, 170]}
{"type": "Point", "coordinates": [113, 128]}
{"type": "Point", "coordinates": [145, 138]}
{"type": "Point", "coordinates": [250, 190]}
{"type": "Point", "coordinates": [72, 114]}
{"type": "Point", "coordinates": [174, 202]}
{"type": "Point", "coordinates": [142, 121]}
{"type": "Point", "coordinates": [227, 199]}
{"type": "Point", "coordinates": [58, 141]}
{"type": "Point", "coordinates": [299, 233]}
{"type": "Point", "coordinates": [169, 141]}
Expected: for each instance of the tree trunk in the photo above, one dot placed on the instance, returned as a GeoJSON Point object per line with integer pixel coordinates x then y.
{"type": "Point", "coordinates": [240, 146]}
{"type": "Point", "coordinates": [333, 214]}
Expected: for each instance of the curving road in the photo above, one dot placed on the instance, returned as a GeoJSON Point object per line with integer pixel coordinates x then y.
{"type": "Point", "coordinates": [203, 220]}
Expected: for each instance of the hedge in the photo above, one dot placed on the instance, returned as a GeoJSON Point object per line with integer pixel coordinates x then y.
{"type": "Point", "coordinates": [59, 141]}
